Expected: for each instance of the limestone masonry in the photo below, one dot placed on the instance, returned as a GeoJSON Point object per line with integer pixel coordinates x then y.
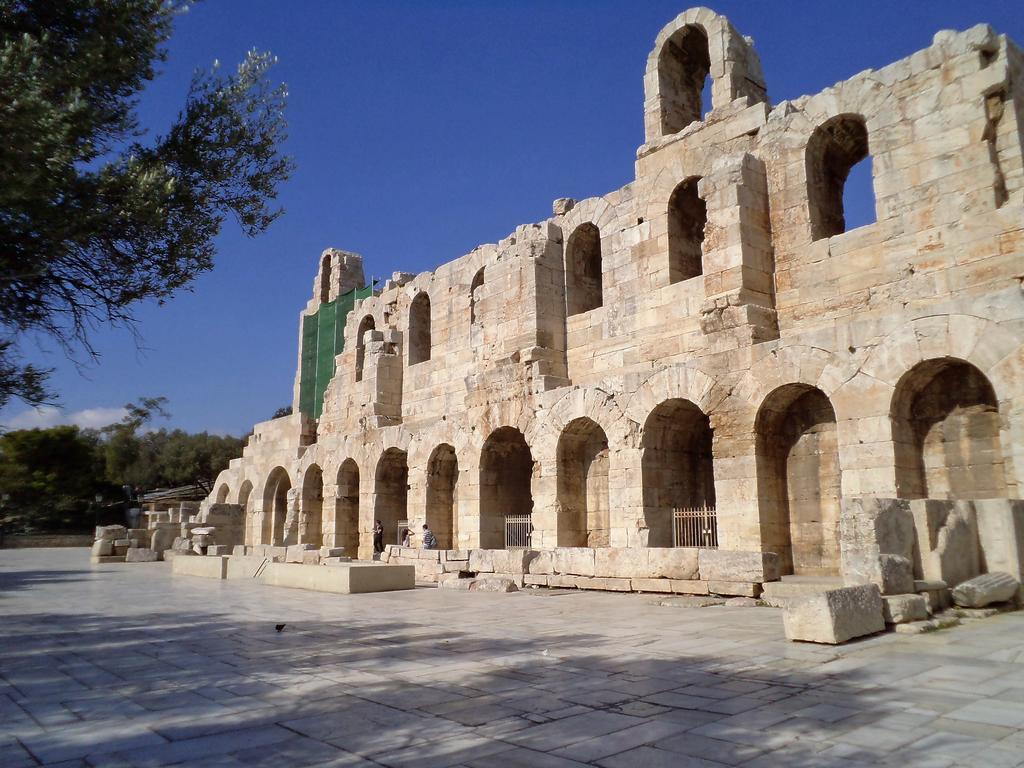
{"type": "Point", "coordinates": [656, 387]}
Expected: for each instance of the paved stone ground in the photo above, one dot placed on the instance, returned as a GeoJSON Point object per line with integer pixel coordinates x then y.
{"type": "Point", "coordinates": [113, 666]}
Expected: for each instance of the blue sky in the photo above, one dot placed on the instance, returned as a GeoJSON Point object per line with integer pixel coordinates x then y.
{"type": "Point", "coordinates": [420, 130]}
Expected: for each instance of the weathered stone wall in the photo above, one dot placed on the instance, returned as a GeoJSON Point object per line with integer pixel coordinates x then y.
{"type": "Point", "coordinates": [794, 369]}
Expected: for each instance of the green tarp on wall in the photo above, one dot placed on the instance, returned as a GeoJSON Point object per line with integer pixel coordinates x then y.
{"type": "Point", "coordinates": [323, 339]}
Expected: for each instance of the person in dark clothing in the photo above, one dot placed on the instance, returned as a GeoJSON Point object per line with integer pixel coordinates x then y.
{"type": "Point", "coordinates": [378, 539]}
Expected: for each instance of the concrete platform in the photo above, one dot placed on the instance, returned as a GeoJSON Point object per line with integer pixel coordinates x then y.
{"type": "Point", "coordinates": [343, 578]}
{"type": "Point", "coordinates": [196, 565]}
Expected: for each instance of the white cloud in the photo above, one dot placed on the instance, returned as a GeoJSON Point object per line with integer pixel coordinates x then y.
{"type": "Point", "coordinates": [50, 416]}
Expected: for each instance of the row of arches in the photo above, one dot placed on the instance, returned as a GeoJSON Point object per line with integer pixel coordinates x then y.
{"type": "Point", "coordinates": [946, 429]}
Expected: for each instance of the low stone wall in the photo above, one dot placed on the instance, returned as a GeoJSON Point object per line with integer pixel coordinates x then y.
{"type": "Point", "coordinates": [39, 540]}
{"type": "Point", "coordinates": [654, 569]}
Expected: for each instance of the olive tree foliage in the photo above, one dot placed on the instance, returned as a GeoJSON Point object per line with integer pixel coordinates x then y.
{"type": "Point", "coordinates": [95, 218]}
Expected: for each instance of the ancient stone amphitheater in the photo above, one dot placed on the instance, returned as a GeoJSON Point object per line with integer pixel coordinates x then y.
{"type": "Point", "coordinates": [706, 359]}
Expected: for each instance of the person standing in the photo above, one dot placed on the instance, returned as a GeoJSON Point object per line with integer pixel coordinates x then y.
{"type": "Point", "coordinates": [378, 540]}
{"type": "Point", "coordinates": [429, 540]}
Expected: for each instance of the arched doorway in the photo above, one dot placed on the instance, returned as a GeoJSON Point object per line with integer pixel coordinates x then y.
{"type": "Point", "coordinates": [222, 493]}
{"type": "Point", "coordinates": [506, 470]}
{"type": "Point", "coordinates": [366, 324]}
{"type": "Point", "coordinates": [275, 506]}
{"type": "Point", "coordinates": [346, 508]}
{"type": "Point", "coordinates": [799, 481]}
{"type": "Point", "coordinates": [310, 531]}
{"type": "Point", "coordinates": [946, 423]}
{"type": "Point", "coordinates": [244, 498]}
{"type": "Point", "coordinates": [584, 517]}
{"type": "Point", "coordinates": [442, 484]}
{"type": "Point", "coordinates": [677, 469]}
{"type": "Point", "coordinates": [391, 491]}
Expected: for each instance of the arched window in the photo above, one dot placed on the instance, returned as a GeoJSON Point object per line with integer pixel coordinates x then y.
{"type": "Point", "coordinates": [683, 67]}
{"type": "Point", "coordinates": [833, 151]}
{"type": "Point", "coordinates": [366, 324]}
{"type": "Point", "coordinates": [474, 295]}
{"type": "Point", "coordinates": [946, 433]}
{"type": "Point", "coordinates": [419, 329]}
{"type": "Point", "coordinates": [325, 279]}
{"type": "Point", "coordinates": [583, 290]}
{"type": "Point", "coordinates": [687, 217]}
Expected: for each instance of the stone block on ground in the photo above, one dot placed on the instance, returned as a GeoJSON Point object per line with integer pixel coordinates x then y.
{"type": "Point", "coordinates": [947, 539]}
{"type": "Point", "coordinates": [492, 584]}
{"type": "Point", "coordinates": [460, 585]}
{"type": "Point", "coordinates": [218, 550]}
{"type": "Point", "coordinates": [1001, 535]}
{"type": "Point", "coordinates": [726, 565]}
{"type": "Point", "coordinates": [111, 532]}
{"type": "Point", "coordinates": [276, 554]}
{"type": "Point", "coordinates": [575, 561]}
{"type": "Point", "coordinates": [102, 548]}
{"type": "Point", "coordinates": [104, 560]}
{"type": "Point", "coordinates": [673, 562]}
{"type": "Point", "coordinates": [735, 588]}
{"type": "Point", "coordinates": [332, 551]}
{"type": "Point", "coordinates": [834, 616]}
{"type": "Point", "coordinates": [652, 585]}
{"type": "Point", "coordinates": [985, 589]}
{"type": "Point", "coordinates": [689, 587]}
{"type": "Point", "coordinates": [481, 560]}
{"type": "Point", "coordinates": [543, 563]}
{"type": "Point", "coordinates": [334, 560]}
{"type": "Point", "coordinates": [295, 553]}
{"type": "Point", "coordinates": [141, 555]}
{"type": "Point", "coordinates": [929, 625]}
{"type": "Point", "coordinates": [900, 609]}
{"type": "Point", "coordinates": [448, 555]}
{"type": "Point", "coordinates": [346, 578]}
{"type": "Point", "coordinates": [511, 560]}
{"type": "Point", "coordinates": [311, 557]}
{"type": "Point", "coordinates": [605, 584]}
{"type": "Point", "coordinates": [621, 562]}
{"type": "Point", "coordinates": [239, 550]}
{"type": "Point", "coordinates": [206, 567]}
{"type": "Point", "coordinates": [535, 579]}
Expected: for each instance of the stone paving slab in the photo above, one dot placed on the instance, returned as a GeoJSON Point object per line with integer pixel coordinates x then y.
{"type": "Point", "coordinates": [121, 665]}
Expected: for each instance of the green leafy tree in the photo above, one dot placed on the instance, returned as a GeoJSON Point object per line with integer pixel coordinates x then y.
{"type": "Point", "coordinates": [50, 478]}
{"type": "Point", "coordinates": [93, 219]}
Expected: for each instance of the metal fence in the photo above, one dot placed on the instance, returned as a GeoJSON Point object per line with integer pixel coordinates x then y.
{"type": "Point", "coordinates": [518, 531]}
{"type": "Point", "coordinates": [695, 527]}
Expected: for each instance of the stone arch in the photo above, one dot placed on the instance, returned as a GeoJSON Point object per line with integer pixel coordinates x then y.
{"type": "Point", "coordinates": [243, 500]}
{"type": "Point", "coordinates": [834, 148]}
{"type": "Point", "coordinates": [275, 506]}
{"type": "Point", "coordinates": [442, 494]}
{"type": "Point", "coordinates": [675, 382]}
{"type": "Point", "coordinates": [346, 508]}
{"type": "Point", "coordinates": [365, 325]}
{"type": "Point", "coordinates": [946, 433]}
{"type": "Point", "coordinates": [696, 44]}
{"type": "Point", "coordinates": [687, 217]}
{"type": "Point", "coordinates": [799, 479]}
{"type": "Point", "coordinates": [684, 64]}
{"type": "Point", "coordinates": [222, 493]}
{"type": "Point", "coordinates": [419, 329]}
{"type": "Point", "coordinates": [391, 492]}
{"type": "Point", "coordinates": [312, 506]}
{"type": "Point", "coordinates": [583, 270]}
{"type": "Point", "coordinates": [475, 294]}
{"type": "Point", "coordinates": [506, 473]}
{"type": "Point", "coordinates": [325, 278]}
{"type": "Point", "coordinates": [677, 467]}
{"type": "Point", "coordinates": [584, 510]}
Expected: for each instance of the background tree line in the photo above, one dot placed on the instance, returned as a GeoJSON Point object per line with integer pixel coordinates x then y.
{"type": "Point", "coordinates": [68, 478]}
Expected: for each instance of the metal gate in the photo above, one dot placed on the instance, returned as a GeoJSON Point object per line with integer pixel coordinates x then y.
{"type": "Point", "coordinates": [695, 527]}
{"type": "Point", "coordinates": [518, 531]}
